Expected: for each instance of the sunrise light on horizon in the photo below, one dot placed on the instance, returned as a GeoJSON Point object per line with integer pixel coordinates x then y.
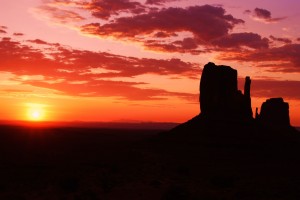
{"type": "Point", "coordinates": [141, 60]}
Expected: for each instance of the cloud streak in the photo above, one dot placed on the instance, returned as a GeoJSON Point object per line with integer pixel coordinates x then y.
{"type": "Point", "coordinates": [87, 73]}
{"type": "Point", "coordinates": [202, 23]}
{"type": "Point", "coordinates": [283, 40]}
{"type": "Point", "coordinates": [104, 9]}
{"type": "Point", "coordinates": [263, 15]}
{"type": "Point", "coordinates": [194, 30]}
{"type": "Point", "coordinates": [284, 59]}
{"type": "Point", "coordinates": [273, 88]}
{"type": "Point", "coordinates": [238, 40]}
{"type": "Point", "coordinates": [159, 2]}
{"type": "Point", "coordinates": [58, 15]}
{"type": "Point", "coordinates": [270, 88]}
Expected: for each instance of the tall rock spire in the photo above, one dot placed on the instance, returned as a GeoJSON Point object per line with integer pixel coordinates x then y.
{"type": "Point", "coordinates": [219, 94]}
{"type": "Point", "coordinates": [247, 97]}
{"type": "Point", "coordinates": [247, 87]}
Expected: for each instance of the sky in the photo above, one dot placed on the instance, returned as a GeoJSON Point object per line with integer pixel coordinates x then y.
{"type": "Point", "coordinates": [141, 60]}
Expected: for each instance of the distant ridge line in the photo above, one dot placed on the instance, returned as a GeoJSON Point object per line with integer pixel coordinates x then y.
{"type": "Point", "coordinates": [82, 124]}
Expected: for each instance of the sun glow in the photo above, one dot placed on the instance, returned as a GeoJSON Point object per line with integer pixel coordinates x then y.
{"type": "Point", "coordinates": [36, 112]}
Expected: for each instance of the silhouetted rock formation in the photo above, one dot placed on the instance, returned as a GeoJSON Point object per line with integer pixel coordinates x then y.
{"type": "Point", "coordinates": [274, 114]}
{"type": "Point", "coordinates": [223, 105]}
{"type": "Point", "coordinates": [219, 95]}
{"type": "Point", "coordinates": [225, 145]}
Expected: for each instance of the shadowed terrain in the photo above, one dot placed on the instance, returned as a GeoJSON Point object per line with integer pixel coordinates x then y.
{"type": "Point", "coordinates": [222, 153]}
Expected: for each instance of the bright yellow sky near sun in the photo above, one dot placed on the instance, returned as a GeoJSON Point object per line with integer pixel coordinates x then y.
{"type": "Point", "coordinates": [36, 112]}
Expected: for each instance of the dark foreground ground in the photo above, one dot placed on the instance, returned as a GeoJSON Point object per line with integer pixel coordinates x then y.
{"type": "Point", "coordinates": [82, 163]}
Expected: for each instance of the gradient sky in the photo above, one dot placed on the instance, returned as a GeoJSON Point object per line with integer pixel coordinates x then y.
{"type": "Point", "coordinates": [131, 60]}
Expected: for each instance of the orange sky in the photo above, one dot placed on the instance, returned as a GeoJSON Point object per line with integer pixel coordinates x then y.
{"type": "Point", "coordinates": [134, 60]}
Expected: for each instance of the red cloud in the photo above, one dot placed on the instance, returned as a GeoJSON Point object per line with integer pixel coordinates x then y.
{"type": "Point", "coordinates": [161, 34]}
{"type": "Point", "coordinates": [159, 2]}
{"type": "Point", "coordinates": [59, 15]}
{"type": "Point", "coordinates": [274, 88]}
{"type": "Point", "coordinates": [105, 8]}
{"type": "Point", "coordinates": [204, 22]}
{"type": "Point", "coordinates": [285, 58]}
{"type": "Point", "coordinates": [2, 31]}
{"type": "Point", "coordinates": [38, 41]}
{"type": "Point", "coordinates": [104, 88]}
{"type": "Point", "coordinates": [264, 15]}
{"type": "Point", "coordinates": [18, 34]}
{"type": "Point", "coordinates": [284, 40]}
{"type": "Point", "coordinates": [159, 29]}
{"type": "Point", "coordinates": [268, 88]}
{"type": "Point", "coordinates": [236, 40]}
{"type": "Point", "coordinates": [64, 68]}
{"type": "Point", "coordinates": [187, 45]}
{"type": "Point", "coordinates": [16, 91]}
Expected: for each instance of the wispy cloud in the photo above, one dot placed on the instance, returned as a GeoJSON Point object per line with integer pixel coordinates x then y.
{"type": "Point", "coordinates": [284, 58]}
{"type": "Point", "coordinates": [279, 39]}
{"type": "Point", "coordinates": [159, 2]}
{"type": "Point", "coordinates": [87, 73]}
{"type": "Point", "coordinates": [202, 23]}
{"type": "Point", "coordinates": [57, 15]}
{"type": "Point", "coordinates": [264, 87]}
{"type": "Point", "coordinates": [263, 15]}
{"type": "Point", "coordinates": [237, 40]}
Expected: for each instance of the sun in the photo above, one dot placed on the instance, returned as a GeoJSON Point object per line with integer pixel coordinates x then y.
{"type": "Point", "coordinates": [36, 115]}
{"type": "Point", "coordinates": [35, 112]}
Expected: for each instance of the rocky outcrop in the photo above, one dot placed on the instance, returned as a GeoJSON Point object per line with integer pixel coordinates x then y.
{"type": "Point", "coordinates": [274, 114]}
{"type": "Point", "coordinates": [224, 107]}
{"type": "Point", "coordinates": [219, 95]}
